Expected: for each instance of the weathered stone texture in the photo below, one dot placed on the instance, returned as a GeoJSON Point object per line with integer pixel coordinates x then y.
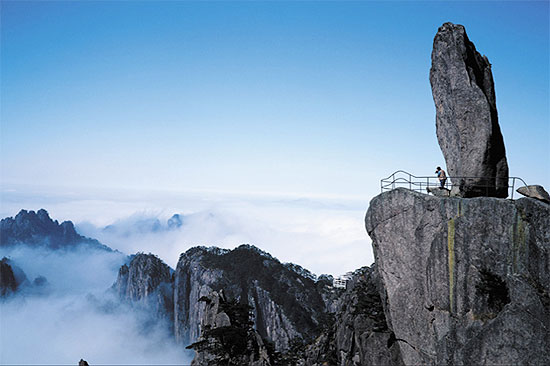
{"type": "Point", "coordinates": [467, 280]}
{"type": "Point", "coordinates": [360, 334]}
{"type": "Point", "coordinates": [286, 303]}
{"type": "Point", "coordinates": [466, 115]}
{"type": "Point", "coordinates": [535, 191]}
{"type": "Point", "coordinates": [217, 344]}
{"type": "Point", "coordinates": [147, 282]}
{"type": "Point", "coordinates": [192, 281]}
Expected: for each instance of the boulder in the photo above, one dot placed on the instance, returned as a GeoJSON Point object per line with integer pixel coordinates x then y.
{"type": "Point", "coordinates": [535, 191]}
{"type": "Point", "coordinates": [466, 115]}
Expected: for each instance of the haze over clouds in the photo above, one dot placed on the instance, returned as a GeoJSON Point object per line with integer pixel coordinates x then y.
{"type": "Point", "coordinates": [136, 102]}
{"type": "Point", "coordinates": [323, 235]}
{"type": "Point", "coordinates": [76, 317]}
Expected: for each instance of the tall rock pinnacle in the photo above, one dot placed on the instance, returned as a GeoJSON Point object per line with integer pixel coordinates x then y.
{"type": "Point", "coordinates": [466, 115]}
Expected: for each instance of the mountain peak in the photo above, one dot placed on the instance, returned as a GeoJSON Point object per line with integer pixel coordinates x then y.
{"type": "Point", "coordinates": [39, 229]}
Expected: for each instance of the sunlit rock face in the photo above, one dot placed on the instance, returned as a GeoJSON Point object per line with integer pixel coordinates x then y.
{"type": "Point", "coordinates": [227, 336]}
{"type": "Point", "coordinates": [146, 281]}
{"type": "Point", "coordinates": [467, 280]}
{"type": "Point", "coordinates": [535, 191]}
{"type": "Point", "coordinates": [286, 302]}
{"type": "Point", "coordinates": [466, 115]}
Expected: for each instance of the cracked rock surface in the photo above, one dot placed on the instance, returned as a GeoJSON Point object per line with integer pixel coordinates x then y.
{"type": "Point", "coordinates": [467, 280]}
{"type": "Point", "coordinates": [466, 115]}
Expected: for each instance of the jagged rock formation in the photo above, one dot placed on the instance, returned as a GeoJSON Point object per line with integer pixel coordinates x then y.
{"type": "Point", "coordinates": [535, 191]}
{"type": "Point", "coordinates": [147, 280]}
{"type": "Point", "coordinates": [358, 334]}
{"type": "Point", "coordinates": [8, 283]}
{"type": "Point", "coordinates": [175, 221]}
{"type": "Point", "coordinates": [466, 115]}
{"type": "Point", "coordinates": [38, 229]}
{"type": "Point", "coordinates": [227, 336]}
{"type": "Point", "coordinates": [140, 225]}
{"type": "Point", "coordinates": [467, 280]}
{"type": "Point", "coordinates": [13, 278]}
{"type": "Point", "coordinates": [286, 303]}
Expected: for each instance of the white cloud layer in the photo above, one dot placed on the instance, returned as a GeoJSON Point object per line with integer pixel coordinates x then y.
{"type": "Point", "coordinates": [77, 317]}
{"type": "Point", "coordinates": [324, 235]}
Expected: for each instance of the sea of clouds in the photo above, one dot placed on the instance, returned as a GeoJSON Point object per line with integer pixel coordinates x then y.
{"type": "Point", "coordinates": [324, 235]}
{"type": "Point", "coordinates": [75, 315]}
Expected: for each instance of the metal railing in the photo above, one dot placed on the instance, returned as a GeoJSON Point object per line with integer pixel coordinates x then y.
{"type": "Point", "coordinates": [485, 185]}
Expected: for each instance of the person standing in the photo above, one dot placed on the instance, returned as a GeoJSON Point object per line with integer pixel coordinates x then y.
{"type": "Point", "coordinates": [441, 176]}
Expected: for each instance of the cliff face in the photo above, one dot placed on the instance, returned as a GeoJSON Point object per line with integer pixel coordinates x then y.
{"type": "Point", "coordinates": [192, 281]}
{"type": "Point", "coordinates": [227, 336]}
{"type": "Point", "coordinates": [147, 281]}
{"type": "Point", "coordinates": [285, 300]}
{"type": "Point", "coordinates": [359, 334]}
{"type": "Point", "coordinates": [467, 280]}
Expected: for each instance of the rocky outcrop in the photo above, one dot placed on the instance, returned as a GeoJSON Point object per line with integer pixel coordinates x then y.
{"type": "Point", "coordinates": [466, 115]}
{"type": "Point", "coordinates": [467, 280]}
{"type": "Point", "coordinates": [175, 222]}
{"type": "Point", "coordinates": [38, 229]}
{"type": "Point", "coordinates": [147, 281]}
{"type": "Point", "coordinates": [13, 278]}
{"type": "Point", "coordinates": [285, 300]}
{"type": "Point", "coordinates": [227, 336]}
{"type": "Point", "coordinates": [437, 191]}
{"type": "Point", "coordinates": [358, 334]}
{"type": "Point", "coordinates": [8, 283]}
{"type": "Point", "coordinates": [535, 191]}
{"type": "Point", "coordinates": [192, 281]}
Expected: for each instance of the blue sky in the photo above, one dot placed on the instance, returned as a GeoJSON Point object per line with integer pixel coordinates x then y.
{"type": "Point", "coordinates": [307, 98]}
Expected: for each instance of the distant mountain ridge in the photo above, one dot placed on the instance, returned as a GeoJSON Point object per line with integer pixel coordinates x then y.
{"type": "Point", "coordinates": [37, 229]}
{"type": "Point", "coordinates": [143, 225]}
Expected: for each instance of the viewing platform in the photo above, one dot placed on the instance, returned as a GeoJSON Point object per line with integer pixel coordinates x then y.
{"type": "Point", "coordinates": [426, 184]}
